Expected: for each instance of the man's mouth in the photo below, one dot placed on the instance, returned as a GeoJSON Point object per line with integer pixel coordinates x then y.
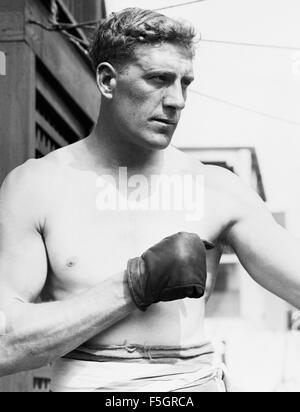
{"type": "Point", "coordinates": [165, 121]}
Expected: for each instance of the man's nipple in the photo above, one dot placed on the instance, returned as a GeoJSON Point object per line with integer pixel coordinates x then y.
{"type": "Point", "coordinates": [71, 262]}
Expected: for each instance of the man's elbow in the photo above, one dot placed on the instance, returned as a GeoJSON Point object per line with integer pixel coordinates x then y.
{"type": "Point", "coordinates": [14, 360]}
{"type": "Point", "coordinates": [9, 359]}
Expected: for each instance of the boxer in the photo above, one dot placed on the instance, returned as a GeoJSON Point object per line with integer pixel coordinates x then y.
{"type": "Point", "coordinates": [123, 289]}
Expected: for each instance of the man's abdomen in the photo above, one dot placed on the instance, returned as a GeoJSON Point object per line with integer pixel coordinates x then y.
{"type": "Point", "coordinates": [179, 323]}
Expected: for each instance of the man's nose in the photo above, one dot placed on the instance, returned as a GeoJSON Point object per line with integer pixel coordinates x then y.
{"type": "Point", "coordinates": [175, 97]}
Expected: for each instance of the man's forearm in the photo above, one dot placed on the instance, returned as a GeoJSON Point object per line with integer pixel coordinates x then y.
{"type": "Point", "coordinates": [37, 334]}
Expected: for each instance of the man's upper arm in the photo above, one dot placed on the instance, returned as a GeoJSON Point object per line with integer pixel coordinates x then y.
{"type": "Point", "coordinates": [23, 261]}
{"type": "Point", "coordinates": [266, 250]}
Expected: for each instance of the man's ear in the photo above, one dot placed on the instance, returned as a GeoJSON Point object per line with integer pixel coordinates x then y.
{"type": "Point", "coordinates": [106, 79]}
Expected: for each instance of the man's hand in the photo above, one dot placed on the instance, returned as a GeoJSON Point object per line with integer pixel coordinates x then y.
{"type": "Point", "coordinates": [173, 269]}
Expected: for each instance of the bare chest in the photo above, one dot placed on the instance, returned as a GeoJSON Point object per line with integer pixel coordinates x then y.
{"type": "Point", "coordinates": [87, 244]}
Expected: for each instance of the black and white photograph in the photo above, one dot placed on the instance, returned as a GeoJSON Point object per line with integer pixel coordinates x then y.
{"type": "Point", "coordinates": [150, 198]}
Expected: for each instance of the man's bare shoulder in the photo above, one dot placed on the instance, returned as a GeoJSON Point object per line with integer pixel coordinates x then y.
{"type": "Point", "coordinates": [31, 182]}
{"type": "Point", "coordinates": [40, 172]}
{"type": "Point", "coordinates": [238, 199]}
{"type": "Point", "coordinates": [20, 197]}
{"type": "Point", "coordinates": [177, 159]}
{"type": "Point", "coordinates": [223, 187]}
{"type": "Point", "coordinates": [29, 190]}
{"type": "Point", "coordinates": [214, 175]}
{"type": "Point", "coordinates": [32, 175]}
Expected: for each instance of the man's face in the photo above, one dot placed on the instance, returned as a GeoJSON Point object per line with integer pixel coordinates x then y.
{"type": "Point", "coordinates": [151, 93]}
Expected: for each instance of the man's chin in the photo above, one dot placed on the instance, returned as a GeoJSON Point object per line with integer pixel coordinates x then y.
{"type": "Point", "coordinates": [159, 142]}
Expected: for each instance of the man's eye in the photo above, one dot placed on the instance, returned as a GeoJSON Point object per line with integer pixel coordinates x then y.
{"type": "Point", "coordinates": [186, 84]}
{"type": "Point", "coordinates": [159, 79]}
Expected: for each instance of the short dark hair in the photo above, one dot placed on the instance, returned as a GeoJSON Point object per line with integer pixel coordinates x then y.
{"type": "Point", "coordinates": [116, 37]}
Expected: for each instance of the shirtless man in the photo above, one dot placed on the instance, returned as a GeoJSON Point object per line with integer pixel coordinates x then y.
{"type": "Point", "coordinates": [100, 323]}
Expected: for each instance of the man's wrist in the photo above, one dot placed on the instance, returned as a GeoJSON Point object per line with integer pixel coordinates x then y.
{"type": "Point", "coordinates": [133, 269]}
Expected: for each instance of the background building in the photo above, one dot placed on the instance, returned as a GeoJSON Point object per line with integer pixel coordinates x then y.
{"type": "Point", "coordinates": [50, 94]}
{"type": "Point", "coordinates": [48, 97]}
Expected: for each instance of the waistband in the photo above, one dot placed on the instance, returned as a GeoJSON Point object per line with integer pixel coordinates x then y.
{"type": "Point", "coordinates": [129, 368]}
{"type": "Point", "coordinates": [142, 353]}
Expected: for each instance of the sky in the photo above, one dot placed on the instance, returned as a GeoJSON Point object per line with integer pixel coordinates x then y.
{"type": "Point", "coordinates": [245, 95]}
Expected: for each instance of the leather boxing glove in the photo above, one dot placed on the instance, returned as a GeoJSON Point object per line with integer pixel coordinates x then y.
{"type": "Point", "coordinates": [173, 269]}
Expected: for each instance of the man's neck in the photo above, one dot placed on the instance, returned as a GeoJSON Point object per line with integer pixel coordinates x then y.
{"type": "Point", "coordinates": [111, 153]}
